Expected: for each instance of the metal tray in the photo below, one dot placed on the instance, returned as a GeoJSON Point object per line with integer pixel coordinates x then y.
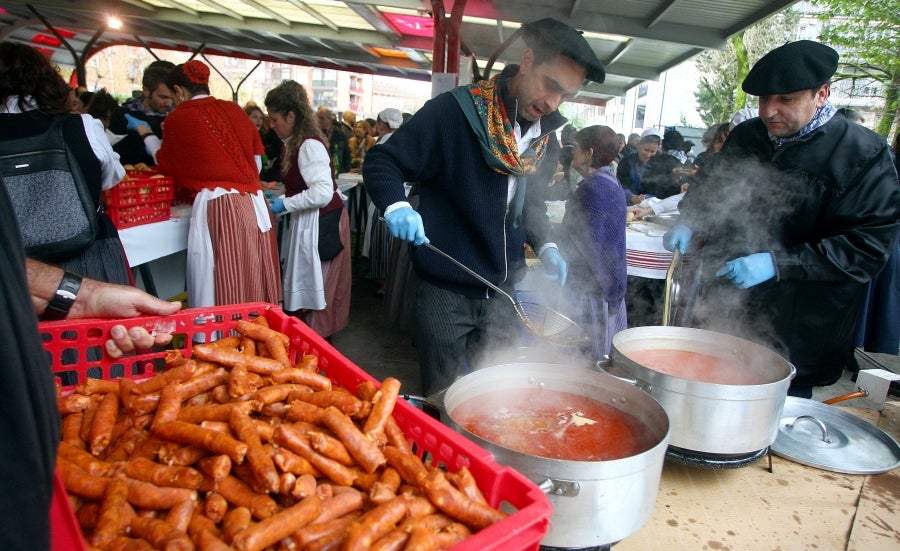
{"type": "Point", "coordinates": [825, 437]}
{"type": "Point", "coordinates": [667, 219]}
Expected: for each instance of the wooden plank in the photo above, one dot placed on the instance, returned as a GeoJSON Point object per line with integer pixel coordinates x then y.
{"type": "Point", "coordinates": [794, 507]}
{"type": "Point", "coordinates": [877, 522]}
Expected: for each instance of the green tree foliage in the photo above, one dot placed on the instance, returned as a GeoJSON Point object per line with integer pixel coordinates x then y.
{"type": "Point", "coordinates": [722, 71]}
{"type": "Point", "coordinates": [867, 33]}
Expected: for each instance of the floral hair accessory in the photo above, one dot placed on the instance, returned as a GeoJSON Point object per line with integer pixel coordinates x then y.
{"type": "Point", "coordinates": [196, 71]}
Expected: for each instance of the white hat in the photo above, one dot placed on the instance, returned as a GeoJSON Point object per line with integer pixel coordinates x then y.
{"type": "Point", "coordinates": [651, 132]}
{"type": "Point", "coordinates": [391, 117]}
{"type": "Point", "coordinates": [742, 115]}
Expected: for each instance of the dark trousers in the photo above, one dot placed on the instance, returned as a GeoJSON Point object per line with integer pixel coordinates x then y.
{"type": "Point", "coordinates": [455, 334]}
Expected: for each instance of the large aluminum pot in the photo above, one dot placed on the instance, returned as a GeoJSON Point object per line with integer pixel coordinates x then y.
{"type": "Point", "coordinates": [594, 502]}
{"type": "Point", "coordinates": [711, 418]}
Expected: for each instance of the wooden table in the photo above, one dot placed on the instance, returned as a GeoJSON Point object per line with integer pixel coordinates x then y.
{"type": "Point", "coordinates": [794, 507]}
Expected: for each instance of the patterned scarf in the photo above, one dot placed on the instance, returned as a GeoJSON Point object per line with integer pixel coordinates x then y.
{"type": "Point", "coordinates": [488, 117]}
{"type": "Point", "coordinates": [823, 115]}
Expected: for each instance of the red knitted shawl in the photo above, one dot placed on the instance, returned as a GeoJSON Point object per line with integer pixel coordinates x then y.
{"type": "Point", "coordinates": [210, 143]}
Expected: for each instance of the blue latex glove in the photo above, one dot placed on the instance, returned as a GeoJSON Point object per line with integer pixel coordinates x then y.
{"type": "Point", "coordinates": [555, 265]}
{"type": "Point", "coordinates": [405, 223]}
{"type": "Point", "coordinates": [679, 236]}
{"type": "Point", "coordinates": [133, 123]}
{"type": "Point", "coordinates": [748, 271]}
{"type": "Point", "coordinates": [277, 205]}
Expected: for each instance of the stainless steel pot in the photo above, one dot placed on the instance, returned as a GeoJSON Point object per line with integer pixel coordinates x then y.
{"type": "Point", "coordinates": [707, 417]}
{"type": "Point", "coordinates": [594, 502]}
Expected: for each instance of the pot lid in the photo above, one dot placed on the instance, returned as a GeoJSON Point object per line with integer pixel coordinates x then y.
{"type": "Point", "coordinates": [825, 437]}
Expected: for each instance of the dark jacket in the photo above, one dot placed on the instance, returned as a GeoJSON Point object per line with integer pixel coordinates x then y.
{"type": "Point", "coordinates": [30, 430]}
{"type": "Point", "coordinates": [827, 207]}
{"type": "Point", "coordinates": [340, 151]}
{"type": "Point", "coordinates": [131, 148]}
{"type": "Point", "coordinates": [461, 199]}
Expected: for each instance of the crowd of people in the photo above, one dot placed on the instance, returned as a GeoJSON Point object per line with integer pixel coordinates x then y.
{"type": "Point", "coordinates": [796, 205]}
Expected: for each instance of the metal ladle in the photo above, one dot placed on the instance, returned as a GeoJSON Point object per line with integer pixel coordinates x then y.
{"type": "Point", "coordinates": [546, 323]}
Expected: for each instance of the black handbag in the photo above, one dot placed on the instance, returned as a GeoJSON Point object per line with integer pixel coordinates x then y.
{"type": "Point", "coordinates": [56, 214]}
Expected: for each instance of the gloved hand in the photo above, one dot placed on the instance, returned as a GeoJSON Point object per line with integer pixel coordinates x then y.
{"type": "Point", "coordinates": [555, 265]}
{"type": "Point", "coordinates": [132, 123]}
{"type": "Point", "coordinates": [277, 206]}
{"type": "Point", "coordinates": [679, 236]}
{"type": "Point", "coordinates": [405, 223]}
{"type": "Point", "coordinates": [748, 271]}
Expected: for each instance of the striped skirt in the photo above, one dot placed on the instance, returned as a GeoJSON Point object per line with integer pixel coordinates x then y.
{"type": "Point", "coordinates": [246, 260]}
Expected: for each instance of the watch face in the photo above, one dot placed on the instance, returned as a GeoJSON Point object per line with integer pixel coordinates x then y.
{"type": "Point", "coordinates": [65, 295]}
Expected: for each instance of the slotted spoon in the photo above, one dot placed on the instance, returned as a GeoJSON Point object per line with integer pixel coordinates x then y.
{"type": "Point", "coordinates": [546, 323]}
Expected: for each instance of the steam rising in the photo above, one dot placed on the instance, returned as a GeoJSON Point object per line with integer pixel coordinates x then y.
{"type": "Point", "coordinates": [742, 206]}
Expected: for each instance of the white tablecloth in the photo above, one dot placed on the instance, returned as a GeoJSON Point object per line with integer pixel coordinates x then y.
{"type": "Point", "coordinates": [151, 241]}
{"type": "Point", "coordinates": [644, 251]}
{"type": "Point", "coordinates": [645, 255]}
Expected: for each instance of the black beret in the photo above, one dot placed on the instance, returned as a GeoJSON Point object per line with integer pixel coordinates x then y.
{"type": "Point", "coordinates": [548, 33]}
{"type": "Point", "coordinates": [800, 65]}
{"type": "Point", "coordinates": [673, 139]}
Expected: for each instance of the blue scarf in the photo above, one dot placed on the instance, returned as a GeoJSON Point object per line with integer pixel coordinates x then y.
{"type": "Point", "coordinates": [823, 115]}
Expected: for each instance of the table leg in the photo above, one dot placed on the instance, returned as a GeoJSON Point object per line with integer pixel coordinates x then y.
{"type": "Point", "coordinates": [147, 278]}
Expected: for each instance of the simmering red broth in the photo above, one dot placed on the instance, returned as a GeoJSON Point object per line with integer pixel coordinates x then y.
{"type": "Point", "coordinates": [695, 366]}
{"type": "Point", "coordinates": [554, 424]}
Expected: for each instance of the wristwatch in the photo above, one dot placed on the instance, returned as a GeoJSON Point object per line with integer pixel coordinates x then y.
{"type": "Point", "coordinates": [59, 305]}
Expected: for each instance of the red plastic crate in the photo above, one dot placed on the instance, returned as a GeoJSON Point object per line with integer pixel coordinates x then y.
{"type": "Point", "coordinates": [140, 199]}
{"type": "Point", "coordinates": [76, 352]}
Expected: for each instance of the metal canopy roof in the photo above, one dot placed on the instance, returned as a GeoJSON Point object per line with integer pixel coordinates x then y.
{"type": "Point", "coordinates": [637, 40]}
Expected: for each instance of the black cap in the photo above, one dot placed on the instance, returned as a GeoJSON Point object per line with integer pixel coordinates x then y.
{"type": "Point", "coordinates": [673, 139]}
{"type": "Point", "coordinates": [800, 65]}
{"type": "Point", "coordinates": [548, 33]}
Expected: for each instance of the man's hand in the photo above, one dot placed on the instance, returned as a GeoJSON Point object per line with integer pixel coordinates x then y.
{"type": "Point", "coordinates": [748, 271]}
{"type": "Point", "coordinates": [125, 341]}
{"type": "Point", "coordinates": [405, 223]}
{"type": "Point", "coordinates": [678, 237]}
{"type": "Point", "coordinates": [555, 265]}
{"type": "Point", "coordinates": [106, 300]}
{"type": "Point", "coordinates": [133, 123]}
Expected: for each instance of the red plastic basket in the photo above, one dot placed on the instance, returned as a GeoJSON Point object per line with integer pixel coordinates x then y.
{"type": "Point", "coordinates": [76, 352]}
{"type": "Point", "coordinates": [140, 199]}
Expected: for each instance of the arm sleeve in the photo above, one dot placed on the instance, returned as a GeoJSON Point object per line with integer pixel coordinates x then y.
{"type": "Point", "coordinates": [862, 224]}
{"type": "Point", "coordinates": [153, 144]}
{"type": "Point", "coordinates": [413, 154]}
{"type": "Point", "coordinates": [111, 169]}
{"type": "Point", "coordinates": [312, 158]}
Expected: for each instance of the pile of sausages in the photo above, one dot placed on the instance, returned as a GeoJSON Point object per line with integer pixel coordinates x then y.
{"type": "Point", "coordinates": [237, 448]}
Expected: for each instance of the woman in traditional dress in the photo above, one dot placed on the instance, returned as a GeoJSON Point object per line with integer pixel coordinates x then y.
{"type": "Point", "coordinates": [315, 248]}
{"type": "Point", "coordinates": [213, 152]}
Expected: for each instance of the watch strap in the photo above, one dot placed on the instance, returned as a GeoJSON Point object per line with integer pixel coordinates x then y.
{"type": "Point", "coordinates": [59, 306]}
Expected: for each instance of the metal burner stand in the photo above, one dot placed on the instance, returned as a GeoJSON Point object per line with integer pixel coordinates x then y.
{"type": "Point", "coordinates": [716, 461]}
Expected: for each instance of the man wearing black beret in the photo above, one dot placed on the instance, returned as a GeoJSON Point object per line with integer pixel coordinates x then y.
{"type": "Point", "coordinates": [471, 150]}
{"type": "Point", "coordinates": [799, 212]}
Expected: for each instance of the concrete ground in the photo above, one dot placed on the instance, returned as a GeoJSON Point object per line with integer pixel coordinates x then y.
{"type": "Point", "coordinates": [374, 344]}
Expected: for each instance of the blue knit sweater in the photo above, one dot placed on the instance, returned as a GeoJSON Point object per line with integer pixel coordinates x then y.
{"type": "Point", "coordinates": [461, 200]}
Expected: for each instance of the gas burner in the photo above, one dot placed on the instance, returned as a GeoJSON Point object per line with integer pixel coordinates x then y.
{"type": "Point", "coordinates": [595, 548]}
{"type": "Point", "coordinates": [714, 460]}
